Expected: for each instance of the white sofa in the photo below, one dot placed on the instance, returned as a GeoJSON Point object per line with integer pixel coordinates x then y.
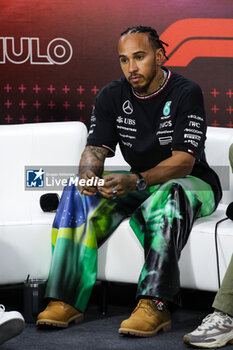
{"type": "Point", "coordinates": [25, 229]}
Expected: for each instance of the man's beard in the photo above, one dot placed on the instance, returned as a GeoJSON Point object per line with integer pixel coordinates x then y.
{"type": "Point", "coordinates": [142, 90]}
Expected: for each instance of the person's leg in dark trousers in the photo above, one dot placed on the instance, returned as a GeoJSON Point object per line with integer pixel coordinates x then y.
{"type": "Point", "coordinates": [163, 223]}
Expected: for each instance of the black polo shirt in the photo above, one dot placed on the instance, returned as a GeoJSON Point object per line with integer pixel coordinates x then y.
{"type": "Point", "coordinates": [149, 127]}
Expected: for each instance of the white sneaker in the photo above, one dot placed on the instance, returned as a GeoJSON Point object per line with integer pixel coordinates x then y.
{"type": "Point", "coordinates": [215, 331]}
{"type": "Point", "coordinates": [11, 324]}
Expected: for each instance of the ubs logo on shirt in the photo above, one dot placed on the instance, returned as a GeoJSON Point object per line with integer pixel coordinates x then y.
{"type": "Point", "coordinates": [119, 119]}
{"type": "Point", "coordinates": [127, 107]}
{"type": "Point", "coordinates": [127, 121]}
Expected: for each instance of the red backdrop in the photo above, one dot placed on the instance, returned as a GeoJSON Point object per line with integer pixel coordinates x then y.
{"type": "Point", "coordinates": [55, 55]}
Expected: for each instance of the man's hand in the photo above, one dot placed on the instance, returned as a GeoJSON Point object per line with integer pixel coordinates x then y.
{"type": "Point", "coordinates": [117, 184]}
{"type": "Point", "coordinates": [88, 190]}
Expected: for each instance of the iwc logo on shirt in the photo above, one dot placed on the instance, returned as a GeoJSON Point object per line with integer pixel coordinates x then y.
{"type": "Point", "coordinates": [127, 107]}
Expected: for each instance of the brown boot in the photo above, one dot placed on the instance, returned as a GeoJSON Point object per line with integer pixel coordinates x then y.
{"type": "Point", "coordinates": [146, 320]}
{"type": "Point", "coordinates": [59, 314]}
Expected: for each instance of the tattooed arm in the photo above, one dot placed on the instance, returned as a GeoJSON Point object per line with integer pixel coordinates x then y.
{"type": "Point", "coordinates": [91, 165]}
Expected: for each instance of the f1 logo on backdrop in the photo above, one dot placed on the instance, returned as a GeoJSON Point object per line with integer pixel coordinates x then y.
{"type": "Point", "coordinates": [198, 37]}
{"type": "Point", "coordinates": [187, 38]}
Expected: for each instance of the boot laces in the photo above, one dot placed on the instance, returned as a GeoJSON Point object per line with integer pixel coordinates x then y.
{"type": "Point", "coordinates": [142, 304]}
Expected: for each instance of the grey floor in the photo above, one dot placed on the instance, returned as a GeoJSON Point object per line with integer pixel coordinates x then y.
{"type": "Point", "coordinates": [99, 332]}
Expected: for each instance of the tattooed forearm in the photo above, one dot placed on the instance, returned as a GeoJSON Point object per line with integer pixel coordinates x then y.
{"type": "Point", "coordinates": [98, 152]}
{"type": "Point", "coordinates": [93, 159]}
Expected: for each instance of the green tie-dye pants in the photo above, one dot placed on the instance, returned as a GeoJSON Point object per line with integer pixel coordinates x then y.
{"type": "Point", "coordinates": [161, 217]}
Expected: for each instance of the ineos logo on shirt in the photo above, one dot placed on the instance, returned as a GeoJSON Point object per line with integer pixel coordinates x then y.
{"type": "Point", "coordinates": [165, 124]}
{"type": "Point", "coordinates": [127, 107]}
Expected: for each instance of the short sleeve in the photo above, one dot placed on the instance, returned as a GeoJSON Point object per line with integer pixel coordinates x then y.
{"type": "Point", "coordinates": [190, 125]}
{"type": "Point", "coordinates": [102, 130]}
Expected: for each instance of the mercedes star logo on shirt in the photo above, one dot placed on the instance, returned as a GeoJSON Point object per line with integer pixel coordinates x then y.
{"type": "Point", "coordinates": [127, 107]}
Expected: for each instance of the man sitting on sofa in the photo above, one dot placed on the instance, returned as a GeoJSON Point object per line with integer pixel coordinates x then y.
{"type": "Point", "coordinates": [158, 119]}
